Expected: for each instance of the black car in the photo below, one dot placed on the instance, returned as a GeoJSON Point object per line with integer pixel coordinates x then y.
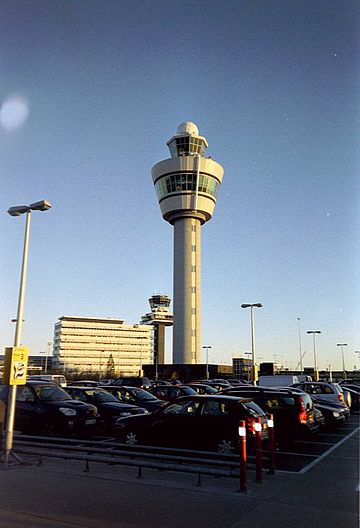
{"type": "Point", "coordinates": [133, 381]}
{"type": "Point", "coordinates": [109, 407]}
{"type": "Point", "coordinates": [169, 393]}
{"type": "Point", "coordinates": [354, 391]}
{"type": "Point", "coordinates": [201, 388]}
{"type": "Point", "coordinates": [293, 410]}
{"type": "Point", "coordinates": [195, 422]}
{"type": "Point", "coordinates": [334, 415]}
{"type": "Point", "coordinates": [135, 396]}
{"type": "Point", "coordinates": [45, 408]}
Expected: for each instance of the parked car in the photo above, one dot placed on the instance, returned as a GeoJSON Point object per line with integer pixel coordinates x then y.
{"type": "Point", "coordinates": [84, 383]}
{"type": "Point", "coordinates": [45, 408]}
{"type": "Point", "coordinates": [59, 379]}
{"type": "Point", "coordinates": [136, 396]}
{"type": "Point", "coordinates": [354, 391]}
{"type": "Point", "coordinates": [334, 415]}
{"type": "Point", "coordinates": [170, 392]}
{"type": "Point", "coordinates": [324, 391]}
{"type": "Point", "coordinates": [195, 422]}
{"type": "Point", "coordinates": [277, 380]}
{"type": "Point", "coordinates": [109, 407]}
{"type": "Point", "coordinates": [133, 381]}
{"type": "Point", "coordinates": [201, 388]}
{"type": "Point", "coordinates": [293, 410]}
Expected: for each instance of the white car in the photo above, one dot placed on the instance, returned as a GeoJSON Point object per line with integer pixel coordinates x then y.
{"type": "Point", "coordinates": [325, 391]}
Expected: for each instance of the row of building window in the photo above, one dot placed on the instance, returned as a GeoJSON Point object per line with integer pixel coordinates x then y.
{"type": "Point", "coordinates": [186, 181]}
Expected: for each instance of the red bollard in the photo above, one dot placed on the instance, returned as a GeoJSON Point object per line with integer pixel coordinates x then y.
{"type": "Point", "coordinates": [271, 445]}
{"type": "Point", "coordinates": [243, 466]}
{"type": "Point", "coordinates": [258, 450]}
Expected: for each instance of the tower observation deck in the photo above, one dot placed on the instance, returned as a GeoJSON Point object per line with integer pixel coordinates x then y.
{"type": "Point", "coordinates": [187, 185]}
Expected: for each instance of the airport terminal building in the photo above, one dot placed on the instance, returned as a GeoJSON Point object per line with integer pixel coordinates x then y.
{"type": "Point", "coordinates": [93, 344]}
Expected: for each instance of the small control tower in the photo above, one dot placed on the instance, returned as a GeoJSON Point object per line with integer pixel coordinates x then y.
{"type": "Point", "coordinates": [160, 316]}
{"type": "Point", "coordinates": [187, 185]}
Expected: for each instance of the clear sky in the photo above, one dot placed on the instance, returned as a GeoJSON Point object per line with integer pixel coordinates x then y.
{"type": "Point", "coordinates": [99, 88]}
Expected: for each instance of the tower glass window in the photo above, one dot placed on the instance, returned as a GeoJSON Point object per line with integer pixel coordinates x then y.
{"type": "Point", "coordinates": [186, 146]}
{"type": "Point", "coordinates": [186, 181]}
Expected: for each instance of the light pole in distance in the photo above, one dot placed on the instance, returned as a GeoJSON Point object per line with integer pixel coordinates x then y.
{"type": "Point", "coordinates": [316, 371]}
{"type": "Point", "coordinates": [253, 359]}
{"type": "Point", "coordinates": [207, 361]}
{"type": "Point", "coordinates": [18, 210]}
{"type": "Point", "coordinates": [342, 345]}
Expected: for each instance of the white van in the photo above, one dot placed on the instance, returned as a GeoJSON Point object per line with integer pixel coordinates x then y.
{"type": "Point", "coordinates": [59, 379]}
{"type": "Point", "coordinates": [277, 380]}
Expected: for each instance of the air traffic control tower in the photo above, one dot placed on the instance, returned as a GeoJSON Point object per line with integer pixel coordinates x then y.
{"type": "Point", "coordinates": [187, 185]}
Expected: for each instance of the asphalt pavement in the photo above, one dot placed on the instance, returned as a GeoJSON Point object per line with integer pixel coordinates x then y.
{"type": "Point", "coordinates": [60, 494]}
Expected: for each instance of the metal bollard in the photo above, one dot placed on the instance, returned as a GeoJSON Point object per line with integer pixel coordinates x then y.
{"type": "Point", "coordinates": [243, 466]}
{"type": "Point", "coordinates": [271, 445]}
{"type": "Point", "coordinates": [258, 450]}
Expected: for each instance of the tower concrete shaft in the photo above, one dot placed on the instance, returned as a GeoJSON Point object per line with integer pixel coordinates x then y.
{"type": "Point", "coordinates": [187, 290]}
{"type": "Point", "coordinates": [187, 186]}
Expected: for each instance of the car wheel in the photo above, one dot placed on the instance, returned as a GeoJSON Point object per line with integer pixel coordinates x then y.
{"type": "Point", "coordinates": [48, 430]}
{"type": "Point", "coordinates": [131, 438]}
{"type": "Point", "coordinates": [226, 447]}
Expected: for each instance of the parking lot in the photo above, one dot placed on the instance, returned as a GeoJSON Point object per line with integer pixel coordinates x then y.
{"type": "Point", "coordinates": [317, 482]}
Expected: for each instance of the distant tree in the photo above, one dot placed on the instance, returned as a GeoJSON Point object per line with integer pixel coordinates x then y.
{"type": "Point", "coordinates": [110, 367]}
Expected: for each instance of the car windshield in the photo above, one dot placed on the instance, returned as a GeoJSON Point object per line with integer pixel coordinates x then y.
{"type": "Point", "coordinates": [100, 396]}
{"type": "Point", "coordinates": [142, 394]}
{"type": "Point", "coordinates": [254, 409]}
{"type": "Point", "coordinates": [188, 391]}
{"type": "Point", "coordinates": [51, 392]}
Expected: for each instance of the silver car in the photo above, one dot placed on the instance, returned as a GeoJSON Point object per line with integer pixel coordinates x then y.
{"type": "Point", "coordinates": [325, 391]}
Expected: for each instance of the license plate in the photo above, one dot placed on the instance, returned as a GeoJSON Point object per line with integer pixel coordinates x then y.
{"type": "Point", "coordinates": [90, 422]}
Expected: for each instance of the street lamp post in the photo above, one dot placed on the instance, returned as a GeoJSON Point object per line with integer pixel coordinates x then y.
{"type": "Point", "coordinates": [18, 210]}
{"type": "Point", "coordinates": [300, 351]}
{"type": "Point", "coordinates": [207, 361]}
{"type": "Point", "coordinates": [49, 343]}
{"type": "Point", "coordinates": [316, 372]}
{"type": "Point", "coordinates": [342, 345]}
{"type": "Point", "coordinates": [253, 359]}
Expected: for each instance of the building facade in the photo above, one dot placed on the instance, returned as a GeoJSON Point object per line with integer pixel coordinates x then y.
{"type": "Point", "coordinates": [94, 344]}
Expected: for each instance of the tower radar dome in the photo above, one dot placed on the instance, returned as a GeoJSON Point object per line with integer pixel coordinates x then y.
{"type": "Point", "coordinates": [188, 128]}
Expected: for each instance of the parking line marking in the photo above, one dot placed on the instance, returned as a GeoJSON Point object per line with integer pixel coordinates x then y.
{"type": "Point", "coordinates": [321, 457]}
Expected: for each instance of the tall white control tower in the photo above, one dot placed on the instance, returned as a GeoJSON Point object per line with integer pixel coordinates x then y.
{"type": "Point", "coordinates": [187, 185]}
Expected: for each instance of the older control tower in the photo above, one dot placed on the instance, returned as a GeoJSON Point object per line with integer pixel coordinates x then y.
{"type": "Point", "coordinates": [187, 186]}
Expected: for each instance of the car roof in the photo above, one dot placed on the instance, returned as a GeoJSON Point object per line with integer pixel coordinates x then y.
{"type": "Point", "coordinates": [212, 397]}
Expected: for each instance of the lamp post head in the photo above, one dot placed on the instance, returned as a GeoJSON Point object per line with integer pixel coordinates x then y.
{"type": "Point", "coordinates": [257, 305]}
{"type": "Point", "coordinates": [18, 210]}
{"type": "Point", "coordinates": [43, 205]}
{"type": "Point", "coordinates": [313, 332]}
{"type": "Point", "coordinates": [342, 344]}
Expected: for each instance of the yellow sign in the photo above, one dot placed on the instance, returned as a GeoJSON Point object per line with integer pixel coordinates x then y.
{"type": "Point", "coordinates": [15, 365]}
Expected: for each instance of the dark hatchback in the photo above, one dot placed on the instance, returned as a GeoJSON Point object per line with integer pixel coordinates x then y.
{"type": "Point", "coordinates": [109, 407]}
{"type": "Point", "coordinates": [45, 408]}
{"type": "Point", "coordinates": [169, 393]}
{"type": "Point", "coordinates": [135, 396]}
{"type": "Point", "coordinates": [195, 422]}
{"type": "Point", "coordinates": [133, 381]}
{"type": "Point", "coordinates": [293, 410]}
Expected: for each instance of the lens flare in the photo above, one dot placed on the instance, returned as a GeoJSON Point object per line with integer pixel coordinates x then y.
{"type": "Point", "coordinates": [14, 112]}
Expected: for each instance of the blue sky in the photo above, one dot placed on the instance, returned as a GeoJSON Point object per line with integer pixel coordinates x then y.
{"type": "Point", "coordinates": [272, 85]}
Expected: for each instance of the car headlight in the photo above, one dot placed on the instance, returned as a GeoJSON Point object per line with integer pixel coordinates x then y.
{"type": "Point", "coordinates": [336, 414]}
{"type": "Point", "coordinates": [67, 411]}
{"type": "Point", "coordinates": [123, 414]}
